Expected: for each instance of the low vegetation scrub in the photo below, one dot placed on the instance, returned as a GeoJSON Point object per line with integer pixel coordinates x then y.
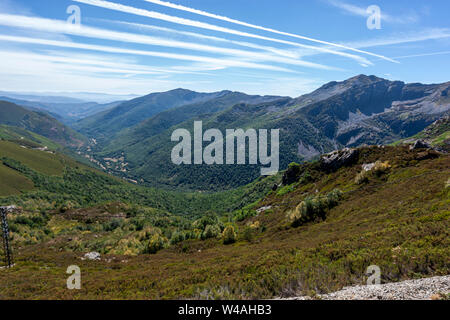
{"type": "Point", "coordinates": [407, 238]}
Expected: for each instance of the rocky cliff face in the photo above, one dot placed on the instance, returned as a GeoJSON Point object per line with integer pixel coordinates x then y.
{"type": "Point", "coordinates": [371, 110]}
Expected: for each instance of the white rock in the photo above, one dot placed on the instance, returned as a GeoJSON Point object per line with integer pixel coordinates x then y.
{"type": "Point", "coordinates": [368, 166]}
{"type": "Point", "coordinates": [262, 209]}
{"type": "Point", "coordinates": [92, 256]}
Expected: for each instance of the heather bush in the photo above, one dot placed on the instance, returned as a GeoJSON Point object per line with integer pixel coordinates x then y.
{"type": "Point", "coordinates": [156, 243]}
{"type": "Point", "coordinates": [229, 235]}
{"type": "Point", "coordinates": [211, 231]}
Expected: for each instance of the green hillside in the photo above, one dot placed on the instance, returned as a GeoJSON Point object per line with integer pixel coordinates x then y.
{"type": "Point", "coordinates": [58, 180]}
{"type": "Point", "coordinates": [67, 112]}
{"type": "Point", "coordinates": [26, 138]}
{"type": "Point", "coordinates": [39, 123]}
{"type": "Point", "coordinates": [43, 162]}
{"type": "Point", "coordinates": [165, 120]}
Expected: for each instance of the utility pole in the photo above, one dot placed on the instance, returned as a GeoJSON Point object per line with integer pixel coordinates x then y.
{"type": "Point", "coordinates": [5, 232]}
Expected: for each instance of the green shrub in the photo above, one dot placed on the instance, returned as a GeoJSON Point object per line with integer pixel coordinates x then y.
{"type": "Point", "coordinates": [377, 170]}
{"type": "Point", "coordinates": [381, 168]}
{"type": "Point", "coordinates": [177, 237]}
{"type": "Point", "coordinates": [229, 235]}
{"type": "Point", "coordinates": [292, 173]}
{"type": "Point", "coordinates": [362, 177]}
{"type": "Point", "coordinates": [314, 207]}
{"type": "Point", "coordinates": [243, 214]}
{"type": "Point", "coordinates": [211, 231]}
{"type": "Point", "coordinates": [139, 224]}
{"type": "Point", "coordinates": [334, 197]}
{"type": "Point", "coordinates": [247, 234]}
{"type": "Point", "coordinates": [286, 189]}
{"type": "Point", "coordinates": [113, 225]}
{"type": "Point", "coordinates": [156, 243]}
{"type": "Point", "coordinates": [203, 222]}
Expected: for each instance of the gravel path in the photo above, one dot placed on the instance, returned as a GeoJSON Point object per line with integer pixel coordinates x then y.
{"type": "Point", "coordinates": [419, 289]}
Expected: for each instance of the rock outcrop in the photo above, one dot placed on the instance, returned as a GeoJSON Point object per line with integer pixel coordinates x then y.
{"type": "Point", "coordinates": [420, 144]}
{"type": "Point", "coordinates": [337, 159]}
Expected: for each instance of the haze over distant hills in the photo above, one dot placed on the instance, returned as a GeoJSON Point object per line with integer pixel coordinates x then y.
{"type": "Point", "coordinates": [66, 112]}
{"type": "Point", "coordinates": [66, 107]}
{"type": "Point", "coordinates": [68, 97]}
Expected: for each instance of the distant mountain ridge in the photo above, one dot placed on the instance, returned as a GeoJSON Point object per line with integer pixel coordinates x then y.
{"type": "Point", "coordinates": [131, 113]}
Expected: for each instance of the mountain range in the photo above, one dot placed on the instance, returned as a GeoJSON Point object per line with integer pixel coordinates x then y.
{"type": "Point", "coordinates": [131, 139]}
{"type": "Point", "coordinates": [360, 110]}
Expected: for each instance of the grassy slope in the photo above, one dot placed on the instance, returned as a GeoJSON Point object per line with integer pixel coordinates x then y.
{"type": "Point", "coordinates": [41, 161]}
{"type": "Point", "coordinates": [26, 138]}
{"type": "Point", "coordinates": [398, 221]}
{"type": "Point", "coordinates": [12, 182]}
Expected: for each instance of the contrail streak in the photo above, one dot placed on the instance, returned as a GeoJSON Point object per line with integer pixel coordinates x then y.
{"type": "Point", "coordinates": [139, 26]}
{"type": "Point", "coordinates": [198, 24]}
{"type": "Point", "coordinates": [424, 55]}
{"type": "Point", "coordinates": [242, 23]}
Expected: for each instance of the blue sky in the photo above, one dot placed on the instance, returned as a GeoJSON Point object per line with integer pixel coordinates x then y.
{"type": "Point", "coordinates": [283, 47]}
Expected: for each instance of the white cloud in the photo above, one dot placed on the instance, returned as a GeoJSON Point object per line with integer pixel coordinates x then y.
{"type": "Point", "coordinates": [395, 39]}
{"type": "Point", "coordinates": [98, 63]}
{"type": "Point", "coordinates": [30, 72]}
